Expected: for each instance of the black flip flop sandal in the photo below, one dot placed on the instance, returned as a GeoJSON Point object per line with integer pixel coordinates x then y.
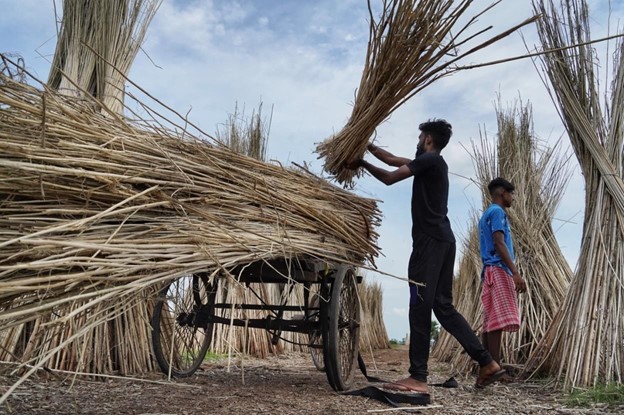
{"type": "Point", "coordinates": [490, 379]}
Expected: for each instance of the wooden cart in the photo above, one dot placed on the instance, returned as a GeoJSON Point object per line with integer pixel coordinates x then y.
{"type": "Point", "coordinates": [186, 312]}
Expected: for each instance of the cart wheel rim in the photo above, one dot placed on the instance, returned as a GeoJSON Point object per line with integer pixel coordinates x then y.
{"type": "Point", "coordinates": [341, 319]}
{"type": "Point", "coordinates": [179, 344]}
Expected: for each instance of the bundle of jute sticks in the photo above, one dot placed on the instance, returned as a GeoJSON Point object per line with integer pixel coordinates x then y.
{"type": "Point", "coordinates": [540, 175]}
{"type": "Point", "coordinates": [114, 31]}
{"type": "Point", "coordinates": [411, 45]}
{"type": "Point", "coordinates": [97, 212]}
{"type": "Point", "coordinates": [584, 346]}
{"type": "Point", "coordinates": [249, 136]}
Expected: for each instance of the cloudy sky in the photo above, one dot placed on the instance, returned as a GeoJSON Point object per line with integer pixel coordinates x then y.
{"type": "Point", "coordinates": [304, 59]}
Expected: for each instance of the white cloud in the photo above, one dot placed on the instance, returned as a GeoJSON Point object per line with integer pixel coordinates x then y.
{"type": "Point", "coordinates": [188, 28]}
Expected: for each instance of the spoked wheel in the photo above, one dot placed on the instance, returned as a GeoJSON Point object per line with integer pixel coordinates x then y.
{"type": "Point", "coordinates": [315, 341]}
{"type": "Point", "coordinates": [179, 337]}
{"type": "Point", "coordinates": [341, 332]}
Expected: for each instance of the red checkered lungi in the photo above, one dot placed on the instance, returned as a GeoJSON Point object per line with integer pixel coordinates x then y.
{"type": "Point", "coordinates": [500, 302]}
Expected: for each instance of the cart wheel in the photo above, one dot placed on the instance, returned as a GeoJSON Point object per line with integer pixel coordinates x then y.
{"type": "Point", "coordinates": [341, 335]}
{"type": "Point", "coordinates": [316, 338]}
{"type": "Point", "coordinates": [180, 342]}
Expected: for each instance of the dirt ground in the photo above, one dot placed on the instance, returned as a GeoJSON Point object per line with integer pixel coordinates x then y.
{"type": "Point", "coordinates": [279, 385]}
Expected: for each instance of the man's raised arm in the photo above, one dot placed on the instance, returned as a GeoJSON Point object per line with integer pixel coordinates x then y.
{"type": "Point", "coordinates": [387, 157]}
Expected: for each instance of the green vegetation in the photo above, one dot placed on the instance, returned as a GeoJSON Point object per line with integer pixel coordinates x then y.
{"type": "Point", "coordinates": [212, 357]}
{"type": "Point", "coordinates": [435, 332]}
{"type": "Point", "coordinates": [611, 394]}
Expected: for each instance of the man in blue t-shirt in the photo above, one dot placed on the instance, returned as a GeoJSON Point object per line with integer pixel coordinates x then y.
{"type": "Point", "coordinates": [430, 268]}
{"type": "Point", "coordinates": [500, 277]}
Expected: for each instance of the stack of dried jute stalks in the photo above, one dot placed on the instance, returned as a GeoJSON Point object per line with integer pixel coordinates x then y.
{"type": "Point", "coordinates": [540, 175]}
{"type": "Point", "coordinates": [584, 345]}
{"type": "Point", "coordinates": [97, 212]}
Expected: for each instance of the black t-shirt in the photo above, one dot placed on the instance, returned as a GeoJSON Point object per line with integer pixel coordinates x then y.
{"type": "Point", "coordinates": [430, 197]}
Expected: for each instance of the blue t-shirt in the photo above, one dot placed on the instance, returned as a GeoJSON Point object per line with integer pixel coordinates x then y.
{"type": "Point", "coordinates": [494, 219]}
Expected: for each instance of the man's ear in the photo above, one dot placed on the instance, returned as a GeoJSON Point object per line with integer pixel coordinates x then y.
{"type": "Point", "coordinates": [429, 140]}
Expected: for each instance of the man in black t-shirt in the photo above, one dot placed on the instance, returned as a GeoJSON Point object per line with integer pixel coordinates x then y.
{"type": "Point", "coordinates": [430, 268]}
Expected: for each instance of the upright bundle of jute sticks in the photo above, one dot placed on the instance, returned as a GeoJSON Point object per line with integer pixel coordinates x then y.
{"type": "Point", "coordinates": [96, 46]}
{"type": "Point", "coordinates": [584, 345]}
{"type": "Point", "coordinates": [411, 45]}
{"type": "Point", "coordinates": [540, 176]}
{"type": "Point", "coordinates": [98, 212]}
{"type": "Point", "coordinates": [373, 334]}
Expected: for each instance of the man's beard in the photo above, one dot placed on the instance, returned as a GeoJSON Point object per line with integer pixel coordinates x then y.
{"type": "Point", "coordinates": [420, 149]}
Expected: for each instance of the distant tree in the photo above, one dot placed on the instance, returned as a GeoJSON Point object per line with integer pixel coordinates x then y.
{"type": "Point", "coordinates": [435, 331]}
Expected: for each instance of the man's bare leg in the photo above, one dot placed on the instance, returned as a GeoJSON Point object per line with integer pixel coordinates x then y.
{"type": "Point", "coordinates": [494, 344]}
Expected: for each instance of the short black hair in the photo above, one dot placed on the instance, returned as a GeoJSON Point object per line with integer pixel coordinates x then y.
{"type": "Point", "coordinates": [500, 183]}
{"type": "Point", "coordinates": [439, 129]}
